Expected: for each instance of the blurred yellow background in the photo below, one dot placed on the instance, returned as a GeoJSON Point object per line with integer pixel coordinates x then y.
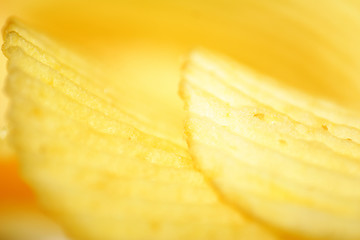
{"type": "Point", "coordinates": [310, 45]}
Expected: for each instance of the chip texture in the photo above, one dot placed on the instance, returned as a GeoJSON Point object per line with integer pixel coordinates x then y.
{"type": "Point", "coordinates": [102, 172]}
{"type": "Point", "coordinates": [286, 158]}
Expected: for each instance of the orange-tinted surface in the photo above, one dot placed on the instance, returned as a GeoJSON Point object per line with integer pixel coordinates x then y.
{"type": "Point", "coordinates": [12, 187]}
{"type": "Point", "coordinates": [20, 216]}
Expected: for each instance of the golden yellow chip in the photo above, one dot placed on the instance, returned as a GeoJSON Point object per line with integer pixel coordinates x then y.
{"type": "Point", "coordinates": [284, 157]}
{"type": "Point", "coordinates": [102, 172]}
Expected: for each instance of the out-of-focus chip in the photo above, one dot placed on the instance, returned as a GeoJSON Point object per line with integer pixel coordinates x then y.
{"type": "Point", "coordinates": [26, 222]}
{"type": "Point", "coordinates": [96, 168]}
{"type": "Point", "coordinates": [286, 158]}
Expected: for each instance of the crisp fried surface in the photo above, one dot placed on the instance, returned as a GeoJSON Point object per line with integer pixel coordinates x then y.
{"type": "Point", "coordinates": [288, 159]}
{"type": "Point", "coordinates": [102, 172]}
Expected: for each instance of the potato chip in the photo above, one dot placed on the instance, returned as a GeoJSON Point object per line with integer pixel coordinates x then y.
{"type": "Point", "coordinates": [102, 172]}
{"type": "Point", "coordinates": [272, 151]}
{"type": "Point", "coordinates": [103, 84]}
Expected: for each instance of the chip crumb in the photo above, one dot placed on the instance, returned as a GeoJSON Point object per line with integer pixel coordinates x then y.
{"type": "Point", "coordinates": [260, 116]}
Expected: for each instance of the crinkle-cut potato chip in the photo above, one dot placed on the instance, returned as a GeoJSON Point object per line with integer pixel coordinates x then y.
{"type": "Point", "coordinates": [84, 77]}
{"type": "Point", "coordinates": [97, 169]}
{"type": "Point", "coordinates": [283, 157]}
